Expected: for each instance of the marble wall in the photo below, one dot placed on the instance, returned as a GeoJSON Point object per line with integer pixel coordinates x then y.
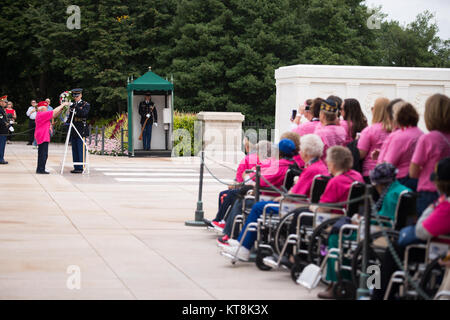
{"type": "Point", "coordinates": [295, 84]}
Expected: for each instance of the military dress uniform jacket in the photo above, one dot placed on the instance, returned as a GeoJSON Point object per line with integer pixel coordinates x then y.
{"type": "Point", "coordinates": [80, 119]}
{"type": "Point", "coordinates": [146, 108]}
{"type": "Point", "coordinates": [3, 122]}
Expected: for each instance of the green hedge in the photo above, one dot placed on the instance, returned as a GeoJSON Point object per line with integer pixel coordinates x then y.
{"type": "Point", "coordinates": [184, 121]}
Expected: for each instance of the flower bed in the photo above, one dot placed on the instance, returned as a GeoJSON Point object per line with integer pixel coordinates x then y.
{"type": "Point", "coordinates": [112, 143]}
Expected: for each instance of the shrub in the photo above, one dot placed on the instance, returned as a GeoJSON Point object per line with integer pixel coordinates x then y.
{"type": "Point", "coordinates": [184, 121]}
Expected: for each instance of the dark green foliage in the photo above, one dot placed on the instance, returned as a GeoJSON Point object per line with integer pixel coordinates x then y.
{"type": "Point", "coordinates": [222, 53]}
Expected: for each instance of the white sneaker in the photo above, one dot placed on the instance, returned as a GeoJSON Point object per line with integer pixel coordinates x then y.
{"type": "Point", "coordinates": [242, 252]}
{"type": "Point", "coordinates": [233, 243]}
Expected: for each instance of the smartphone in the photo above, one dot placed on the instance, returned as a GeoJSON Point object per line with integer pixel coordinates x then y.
{"type": "Point", "coordinates": [294, 114]}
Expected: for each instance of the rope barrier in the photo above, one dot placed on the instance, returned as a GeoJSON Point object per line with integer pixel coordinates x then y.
{"type": "Point", "coordinates": [221, 164]}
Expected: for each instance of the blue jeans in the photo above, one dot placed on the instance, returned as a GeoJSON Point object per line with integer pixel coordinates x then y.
{"type": "Point", "coordinates": [77, 151]}
{"type": "Point", "coordinates": [2, 147]}
{"type": "Point", "coordinates": [235, 210]}
{"type": "Point", "coordinates": [147, 136]}
{"type": "Point", "coordinates": [408, 236]}
{"type": "Point", "coordinates": [228, 199]}
{"type": "Point", "coordinates": [424, 199]}
{"type": "Point", "coordinates": [256, 212]}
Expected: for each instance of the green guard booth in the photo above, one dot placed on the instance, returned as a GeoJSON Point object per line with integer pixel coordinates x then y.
{"type": "Point", "coordinates": [162, 95]}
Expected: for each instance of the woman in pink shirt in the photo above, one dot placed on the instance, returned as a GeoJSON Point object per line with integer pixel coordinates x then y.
{"type": "Point", "coordinates": [431, 148]}
{"type": "Point", "coordinates": [354, 119]}
{"type": "Point", "coordinates": [312, 114]}
{"type": "Point", "coordinates": [400, 145]}
{"type": "Point", "coordinates": [42, 132]}
{"type": "Point", "coordinates": [330, 133]}
{"type": "Point", "coordinates": [373, 137]}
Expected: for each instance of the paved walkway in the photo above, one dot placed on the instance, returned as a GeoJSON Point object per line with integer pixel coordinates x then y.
{"type": "Point", "coordinates": [127, 237]}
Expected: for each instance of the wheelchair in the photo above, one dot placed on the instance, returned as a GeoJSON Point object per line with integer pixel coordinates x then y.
{"type": "Point", "coordinates": [426, 271]}
{"type": "Point", "coordinates": [319, 229]}
{"type": "Point", "coordinates": [351, 249]}
{"type": "Point", "coordinates": [405, 212]}
{"type": "Point", "coordinates": [288, 207]}
{"type": "Point", "coordinates": [269, 194]}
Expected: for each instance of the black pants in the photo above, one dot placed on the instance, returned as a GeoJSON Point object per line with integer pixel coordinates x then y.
{"type": "Point", "coordinates": [31, 127]}
{"type": "Point", "coordinates": [42, 156]}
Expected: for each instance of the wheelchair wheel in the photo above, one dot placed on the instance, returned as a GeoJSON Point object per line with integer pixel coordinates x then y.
{"type": "Point", "coordinates": [318, 244]}
{"type": "Point", "coordinates": [432, 278]}
{"type": "Point", "coordinates": [260, 255]}
{"type": "Point", "coordinates": [344, 290]}
{"type": "Point", "coordinates": [297, 268]}
{"type": "Point", "coordinates": [282, 232]}
{"type": "Point", "coordinates": [377, 248]}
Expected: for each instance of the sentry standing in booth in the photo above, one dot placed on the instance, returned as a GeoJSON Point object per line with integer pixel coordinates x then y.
{"type": "Point", "coordinates": [149, 117]}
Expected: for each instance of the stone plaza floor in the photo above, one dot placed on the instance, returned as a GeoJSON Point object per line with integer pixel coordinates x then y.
{"type": "Point", "coordinates": [123, 227]}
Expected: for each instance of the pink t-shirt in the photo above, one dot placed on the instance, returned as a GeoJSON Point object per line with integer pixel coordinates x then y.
{"type": "Point", "coordinates": [306, 128]}
{"type": "Point", "coordinates": [338, 188]}
{"type": "Point", "coordinates": [274, 171]}
{"type": "Point", "coordinates": [438, 222]}
{"type": "Point", "coordinates": [250, 161]}
{"type": "Point", "coordinates": [430, 149]}
{"type": "Point", "coordinates": [298, 159]}
{"type": "Point", "coordinates": [305, 180]}
{"type": "Point", "coordinates": [42, 131]}
{"type": "Point", "coordinates": [399, 149]}
{"type": "Point", "coordinates": [345, 124]}
{"type": "Point", "coordinates": [331, 135]}
{"type": "Point", "coordinates": [371, 138]}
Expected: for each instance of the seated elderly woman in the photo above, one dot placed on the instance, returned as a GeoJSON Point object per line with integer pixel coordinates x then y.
{"type": "Point", "coordinates": [311, 149]}
{"type": "Point", "coordinates": [383, 178]}
{"type": "Point", "coordinates": [272, 173]}
{"type": "Point", "coordinates": [255, 154]}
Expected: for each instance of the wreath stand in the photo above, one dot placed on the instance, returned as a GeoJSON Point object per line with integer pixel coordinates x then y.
{"type": "Point", "coordinates": [84, 164]}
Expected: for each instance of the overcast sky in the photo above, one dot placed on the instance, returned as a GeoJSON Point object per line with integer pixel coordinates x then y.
{"type": "Point", "coordinates": [405, 11]}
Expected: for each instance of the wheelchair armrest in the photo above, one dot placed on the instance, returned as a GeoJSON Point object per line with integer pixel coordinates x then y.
{"type": "Point", "coordinates": [292, 197]}
{"type": "Point", "coordinates": [319, 205]}
{"type": "Point", "coordinates": [267, 206]}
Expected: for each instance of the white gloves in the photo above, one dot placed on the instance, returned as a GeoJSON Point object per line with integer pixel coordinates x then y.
{"type": "Point", "coordinates": [155, 124]}
{"type": "Point", "coordinates": [11, 129]}
{"type": "Point", "coordinates": [148, 115]}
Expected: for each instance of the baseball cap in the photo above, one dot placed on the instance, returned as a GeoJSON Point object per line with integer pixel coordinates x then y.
{"type": "Point", "coordinates": [329, 106]}
{"type": "Point", "coordinates": [286, 146]}
{"type": "Point", "coordinates": [43, 104]}
{"type": "Point", "coordinates": [441, 170]}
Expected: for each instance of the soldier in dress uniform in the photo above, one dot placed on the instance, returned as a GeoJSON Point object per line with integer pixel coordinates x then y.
{"type": "Point", "coordinates": [149, 117]}
{"type": "Point", "coordinates": [81, 109]}
{"type": "Point", "coordinates": [3, 129]}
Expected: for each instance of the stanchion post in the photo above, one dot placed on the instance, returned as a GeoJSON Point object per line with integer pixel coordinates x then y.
{"type": "Point", "coordinates": [198, 222]}
{"type": "Point", "coordinates": [96, 136]}
{"type": "Point", "coordinates": [363, 292]}
{"type": "Point", "coordinates": [103, 140]}
{"type": "Point", "coordinates": [257, 182]}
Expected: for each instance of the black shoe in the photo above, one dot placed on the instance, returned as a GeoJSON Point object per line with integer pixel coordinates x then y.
{"type": "Point", "coordinates": [42, 172]}
{"type": "Point", "coordinates": [76, 171]}
{"type": "Point", "coordinates": [29, 143]}
{"type": "Point", "coordinates": [3, 162]}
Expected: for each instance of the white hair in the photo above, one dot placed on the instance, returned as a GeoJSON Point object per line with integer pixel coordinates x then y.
{"type": "Point", "coordinates": [41, 108]}
{"type": "Point", "coordinates": [312, 145]}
